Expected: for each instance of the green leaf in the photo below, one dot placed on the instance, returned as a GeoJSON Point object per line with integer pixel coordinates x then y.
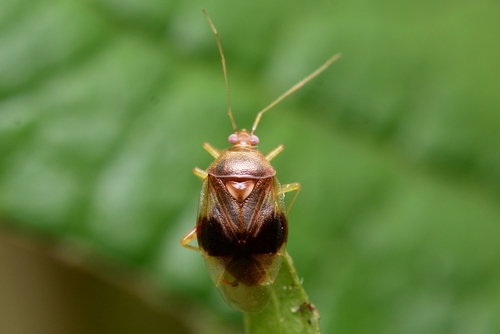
{"type": "Point", "coordinates": [104, 106]}
{"type": "Point", "coordinates": [289, 311]}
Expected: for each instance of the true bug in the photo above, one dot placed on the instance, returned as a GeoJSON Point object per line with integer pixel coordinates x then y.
{"type": "Point", "coordinates": [241, 224]}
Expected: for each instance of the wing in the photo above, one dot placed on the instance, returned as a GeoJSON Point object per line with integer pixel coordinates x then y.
{"type": "Point", "coordinates": [266, 222]}
{"type": "Point", "coordinates": [242, 243]}
{"type": "Point", "coordinates": [218, 214]}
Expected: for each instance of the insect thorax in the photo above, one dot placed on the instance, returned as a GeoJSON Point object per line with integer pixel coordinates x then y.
{"type": "Point", "coordinates": [241, 162]}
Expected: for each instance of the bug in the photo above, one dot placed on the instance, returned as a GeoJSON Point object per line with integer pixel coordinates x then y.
{"type": "Point", "coordinates": [241, 226]}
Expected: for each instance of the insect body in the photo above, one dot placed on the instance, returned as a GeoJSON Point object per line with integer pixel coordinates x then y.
{"type": "Point", "coordinates": [241, 226]}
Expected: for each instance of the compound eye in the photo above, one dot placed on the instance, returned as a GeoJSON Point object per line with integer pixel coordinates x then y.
{"type": "Point", "coordinates": [233, 139]}
{"type": "Point", "coordinates": [254, 140]}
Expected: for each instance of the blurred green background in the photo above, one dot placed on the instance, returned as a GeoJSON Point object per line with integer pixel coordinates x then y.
{"type": "Point", "coordinates": [105, 105]}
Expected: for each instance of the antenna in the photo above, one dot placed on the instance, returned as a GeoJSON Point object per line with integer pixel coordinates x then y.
{"type": "Point", "coordinates": [294, 88]}
{"type": "Point", "coordinates": [223, 59]}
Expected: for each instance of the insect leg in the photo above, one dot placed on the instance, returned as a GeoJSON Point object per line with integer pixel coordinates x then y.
{"type": "Point", "coordinates": [215, 152]}
{"type": "Point", "coordinates": [200, 173]}
{"type": "Point", "coordinates": [274, 152]}
{"type": "Point", "coordinates": [190, 236]}
{"type": "Point", "coordinates": [285, 188]}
